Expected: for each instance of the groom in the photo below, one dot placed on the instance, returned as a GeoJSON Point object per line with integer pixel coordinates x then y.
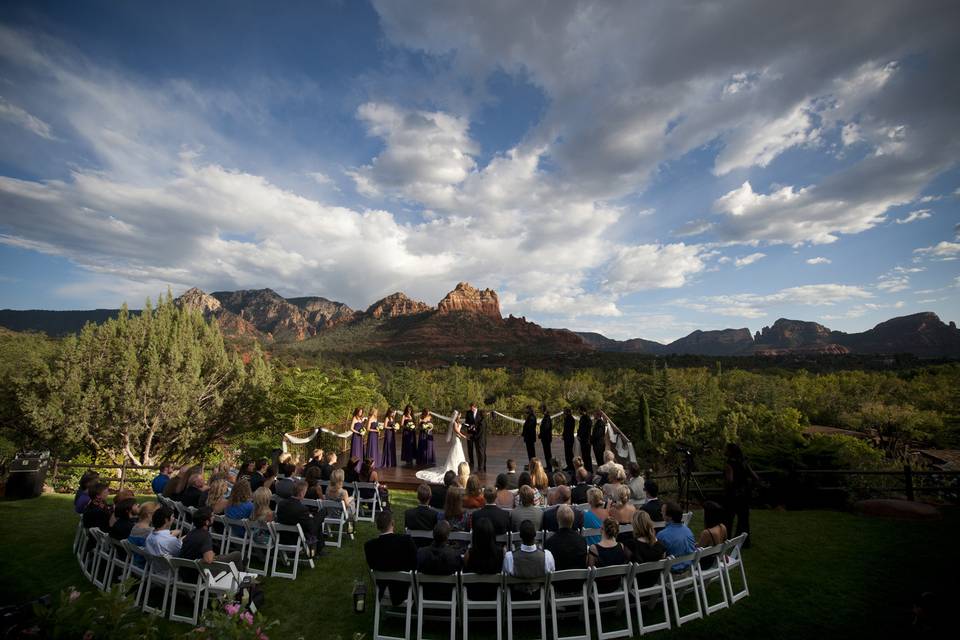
{"type": "Point", "coordinates": [470, 421]}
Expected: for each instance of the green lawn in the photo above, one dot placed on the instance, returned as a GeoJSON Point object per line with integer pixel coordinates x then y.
{"type": "Point", "coordinates": [812, 574]}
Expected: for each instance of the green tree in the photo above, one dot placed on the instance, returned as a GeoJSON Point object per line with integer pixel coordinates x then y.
{"type": "Point", "coordinates": [160, 384]}
{"type": "Point", "coordinates": [645, 427]}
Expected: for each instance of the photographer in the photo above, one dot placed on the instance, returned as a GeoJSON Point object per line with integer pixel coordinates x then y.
{"type": "Point", "coordinates": [737, 479]}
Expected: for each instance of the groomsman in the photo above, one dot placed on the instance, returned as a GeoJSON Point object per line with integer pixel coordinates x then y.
{"type": "Point", "coordinates": [530, 433]}
{"type": "Point", "coordinates": [470, 422]}
{"type": "Point", "coordinates": [569, 435]}
{"type": "Point", "coordinates": [598, 438]}
{"type": "Point", "coordinates": [546, 439]}
{"type": "Point", "coordinates": [583, 436]}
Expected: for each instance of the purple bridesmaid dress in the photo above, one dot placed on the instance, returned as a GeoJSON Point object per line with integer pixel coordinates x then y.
{"type": "Point", "coordinates": [356, 443]}
{"type": "Point", "coordinates": [373, 443]}
{"type": "Point", "coordinates": [389, 457]}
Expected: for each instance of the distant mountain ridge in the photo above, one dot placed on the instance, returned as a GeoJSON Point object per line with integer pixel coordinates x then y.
{"type": "Point", "coordinates": [468, 320]}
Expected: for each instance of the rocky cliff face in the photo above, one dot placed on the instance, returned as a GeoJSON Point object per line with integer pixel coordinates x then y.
{"type": "Point", "coordinates": [922, 334]}
{"type": "Point", "coordinates": [230, 323]}
{"type": "Point", "coordinates": [465, 298]}
{"type": "Point", "coordinates": [725, 342]}
{"type": "Point", "coordinates": [322, 313]}
{"type": "Point", "coordinates": [396, 305]}
{"type": "Point", "coordinates": [268, 312]}
{"type": "Point", "coordinates": [791, 334]}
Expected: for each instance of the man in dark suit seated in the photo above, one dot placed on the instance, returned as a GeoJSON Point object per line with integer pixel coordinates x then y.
{"type": "Point", "coordinates": [439, 559]}
{"type": "Point", "coordinates": [551, 520]}
{"type": "Point", "coordinates": [513, 479]}
{"type": "Point", "coordinates": [578, 494]}
{"type": "Point", "coordinates": [653, 506]}
{"type": "Point", "coordinates": [326, 467]}
{"type": "Point", "coordinates": [291, 511]}
{"type": "Point", "coordinates": [499, 518]}
{"type": "Point", "coordinates": [390, 552]}
{"type": "Point", "coordinates": [439, 497]}
{"type": "Point", "coordinates": [315, 460]}
{"type": "Point", "coordinates": [568, 547]}
{"type": "Point", "coordinates": [421, 517]}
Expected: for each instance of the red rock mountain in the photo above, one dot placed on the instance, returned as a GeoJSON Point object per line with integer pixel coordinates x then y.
{"type": "Point", "coordinates": [465, 298]}
{"type": "Point", "coordinates": [396, 305]}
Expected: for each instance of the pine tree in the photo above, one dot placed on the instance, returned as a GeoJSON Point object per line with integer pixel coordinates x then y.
{"type": "Point", "coordinates": [645, 427]}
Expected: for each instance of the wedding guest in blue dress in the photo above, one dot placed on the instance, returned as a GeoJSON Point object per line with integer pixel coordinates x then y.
{"type": "Point", "coordinates": [389, 457]}
{"type": "Point", "coordinates": [356, 436]}
{"type": "Point", "coordinates": [373, 439]}
{"type": "Point", "coordinates": [426, 455]}
{"type": "Point", "coordinates": [408, 437]}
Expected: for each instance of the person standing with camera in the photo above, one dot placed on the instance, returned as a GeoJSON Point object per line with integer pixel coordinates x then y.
{"type": "Point", "coordinates": [737, 481]}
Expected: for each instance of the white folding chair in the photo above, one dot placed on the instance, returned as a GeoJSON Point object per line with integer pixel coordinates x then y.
{"type": "Point", "coordinates": [649, 595]}
{"type": "Point", "coordinates": [731, 559]}
{"type": "Point", "coordinates": [569, 589]}
{"type": "Point", "coordinates": [367, 495]}
{"type": "Point", "coordinates": [218, 531]}
{"type": "Point", "coordinates": [687, 517]}
{"type": "Point", "coordinates": [87, 553]}
{"type": "Point", "coordinates": [334, 522]}
{"type": "Point", "coordinates": [186, 579]}
{"type": "Point", "coordinates": [137, 566]}
{"type": "Point", "coordinates": [479, 604]}
{"type": "Point", "coordinates": [235, 535]}
{"type": "Point", "coordinates": [282, 549]}
{"type": "Point", "coordinates": [78, 536]}
{"type": "Point", "coordinates": [447, 604]}
{"type": "Point", "coordinates": [618, 598]}
{"type": "Point", "coordinates": [590, 533]}
{"type": "Point", "coordinates": [537, 604]}
{"type": "Point", "coordinates": [259, 539]}
{"type": "Point", "coordinates": [515, 541]}
{"type": "Point", "coordinates": [712, 557]}
{"type": "Point", "coordinates": [158, 574]}
{"type": "Point", "coordinates": [103, 559]}
{"type": "Point", "coordinates": [683, 581]}
{"type": "Point", "coordinates": [385, 608]}
{"type": "Point", "coordinates": [120, 561]}
{"type": "Point", "coordinates": [220, 580]}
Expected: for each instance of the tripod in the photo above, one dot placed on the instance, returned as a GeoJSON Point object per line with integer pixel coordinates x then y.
{"type": "Point", "coordinates": [684, 478]}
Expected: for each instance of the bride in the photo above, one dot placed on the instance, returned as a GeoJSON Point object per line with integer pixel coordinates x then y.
{"type": "Point", "coordinates": [454, 456]}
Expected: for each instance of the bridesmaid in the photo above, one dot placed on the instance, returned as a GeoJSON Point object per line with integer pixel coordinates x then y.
{"type": "Point", "coordinates": [389, 458]}
{"type": "Point", "coordinates": [425, 449]}
{"type": "Point", "coordinates": [408, 437]}
{"type": "Point", "coordinates": [373, 439]}
{"type": "Point", "coordinates": [356, 436]}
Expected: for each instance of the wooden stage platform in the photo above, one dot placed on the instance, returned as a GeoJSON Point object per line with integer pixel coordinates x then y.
{"type": "Point", "coordinates": [499, 449]}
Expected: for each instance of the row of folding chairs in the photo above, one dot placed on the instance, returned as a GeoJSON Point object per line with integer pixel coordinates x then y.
{"type": "Point", "coordinates": [365, 496]}
{"type": "Point", "coordinates": [596, 595]}
{"type": "Point", "coordinates": [161, 580]}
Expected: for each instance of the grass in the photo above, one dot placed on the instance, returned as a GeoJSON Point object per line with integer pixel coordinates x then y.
{"type": "Point", "coordinates": [812, 574]}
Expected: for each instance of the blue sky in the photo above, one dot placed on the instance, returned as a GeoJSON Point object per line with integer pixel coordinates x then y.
{"type": "Point", "coordinates": [637, 169]}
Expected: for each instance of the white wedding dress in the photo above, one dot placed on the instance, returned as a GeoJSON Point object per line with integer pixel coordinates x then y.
{"type": "Point", "coordinates": [455, 456]}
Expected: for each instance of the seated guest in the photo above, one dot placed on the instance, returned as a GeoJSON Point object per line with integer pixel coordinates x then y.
{"type": "Point", "coordinates": [269, 477]}
{"type": "Point", "coordinates": [578, 494]}
{"type": "Point", "coordinates": [609, 464]}
{"type": "Point", "coordinates": [222, 471]}
{"type": "Point", "coordinates": [635, 481]}
{"type": "Point", "coordinates": [653, 506]}
{"type": "Point", "coordinates": [178, 482]}
{"type": "Point", "coordinates": [439, 559]}
{"type": "Point", "coordinates": [594, 517]}
{"type": "Point", "coordinates": [499, 519]}
{"type": "Point", "coordinates": [246, 471]}
{"type": "Point", "coordinates": [485, 557]}
{"type": "Point", "coordinates": [422, 517]}
{"type": "Point", "coordinates": [539, 481]}
{"type": "Point", "coordinates": [98, 512]}
{"type": "Point", "coordinates": [568, 547]}
{"type": "Point", "coordinates": [193, 494]}
{"type": "Point", "coordinates": [241, 505]}
{"type": "Point", "coordinates": [550, 522]}
{"type": "Point", "coordinates": [198, 545]}
{"type": "Point", "coordinates": [216, 497]}
{"type": "Point", "coordinates": [258, 475]}
{"type": "Point", "coordinates": [335, 490]}
{"type": "Point", "coordinates": [126, 493]}
{"type": "Point", "coordinates": [439, 497]}
{"type": "Point", "coordinates": [529, 562]}
{"type": "Point", "coordinates": [351, 471]}
{"type": "Point", "coordinates": [608, 553]}
{"type": "Point", "coordinates": [311, 476]}
{"type": "Point", "coordinates": [622, 509]}
{"type": "Point", "coordinates": [283, 486]}
{"type": "Point", "coordinates": [644, 546]}
{"type": "Point", "coordinates": [473, 499]}
{"type": "Point", "coordinates": [714, 532]}
{"type": "Point", "coordinates": [505, 496]}
{"type": "Point", "coordinates": [513, 481]}
{"type": "Point", "coordinates": [614, 482]}
{"type": "Point", "coordinates": [390, 552]}
{"type": "Point", "coordinates": [369, 474]}
{"type": "Point", "coordinates": [291, 511]}
{"type": "Point", "coordinates": [453, 512]}
{"type": "Point", "coordinates": [326, 467]}
{"type": "Point", "coordinates": [315, 460]}
{"type": "Point", "coordinates": [262, 511]}
{"type": "Point", "coordinates": [527, 481]}
{"type": "Point", "coordinates": [162, 540]}
{"type": "Point", "coordinates": [572, 472]}
{"type": "Point", "coordinates": [676, 537]}
{"type": "Point", "coordinates": [125, 518]}
{"type": "Point", "coordinates": [82, 498]}
{"type": "Point", "coordinates": [463, 474]}
{"type": "Point", "coordinates": [142, 529]}
{"type": "Point", "coordinates": [559, 480]}
{"type": "Point", "coordinates": [526, 511]}
{"type": "Point", "coordinates": [162, 478]}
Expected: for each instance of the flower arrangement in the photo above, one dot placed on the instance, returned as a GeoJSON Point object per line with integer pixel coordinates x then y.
{"type": "Point", "coordinates": [233, 622]}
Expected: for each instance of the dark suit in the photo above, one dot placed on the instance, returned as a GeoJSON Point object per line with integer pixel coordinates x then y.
{"type": "Point", "coordinates": [549, 522]}
{"type": "Point", "coordinates": [655, 508]}
{"type": "Point", "coordinates": [439, 496]}
{"type": "Point", "coordinates": [513, 480]}
{"type": "Point", "coordinates": [391, 552]}
{"type": "Point", "coordinates": [438, 561]}
{"type": "Point", "coordinates": [598, 439]}
{"type": "Point", "coordinates": [584, 431]}
{"type": "Point", "coordinates": [499, 518]}
{"type": "Point", "coordinates": [569, 437]}
{"type": "Point", "coordinates": [420, 518]}
{"type": "Point", "coordinates": [325, 470]}
{"type": "Point", "coordinates": [470, 424]}
{"type": "Point", "coordinates": [479, 440]}
{"type": "Point", "coordinates": [291, 511]}
{"type": "Point", "coordinates": [530, 435]}
{"type": "Point", "coordinates": [569, 549]}
{"type": "Point", "coordinates": [578, 493]}
{"type": "Point", "coordinates": [546, 439]}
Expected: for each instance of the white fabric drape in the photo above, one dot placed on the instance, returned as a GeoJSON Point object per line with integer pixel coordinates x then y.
{"type": "Point", "coordinates": [506, 417]}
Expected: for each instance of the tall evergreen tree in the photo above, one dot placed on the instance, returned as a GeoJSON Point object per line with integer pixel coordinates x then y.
{"type": "Point", "coordinates": [645, 427]}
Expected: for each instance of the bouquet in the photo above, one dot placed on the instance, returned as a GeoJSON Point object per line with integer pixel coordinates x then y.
{"type": "Point", "coordinates": [427, 427]}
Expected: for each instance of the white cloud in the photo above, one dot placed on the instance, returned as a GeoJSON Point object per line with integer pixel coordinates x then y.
{"type": "Point", "coordinates": [749, 259]}
{"type": "Point", "coordinates": [940, 251]}
{"type": "Point", "coordinates": [891, 284]}
{"type": "Point", "coordinates": [651, 266]}
{"type": "Point", "coordinates": [819, 260]}
{"type": "Point", "coordinates": [20, 117]}
{"type": "Point", "coordinates": [913, 216]}
{"type": "Point", "coordinates": [759, 145]}
{"type": "Point", "coordinates": [850, 134]}
{"type": "Point", "coordinates": [752, 305]}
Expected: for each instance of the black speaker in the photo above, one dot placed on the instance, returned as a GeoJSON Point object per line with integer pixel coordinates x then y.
{"type": "Point", "coordinates": [28, 472]}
